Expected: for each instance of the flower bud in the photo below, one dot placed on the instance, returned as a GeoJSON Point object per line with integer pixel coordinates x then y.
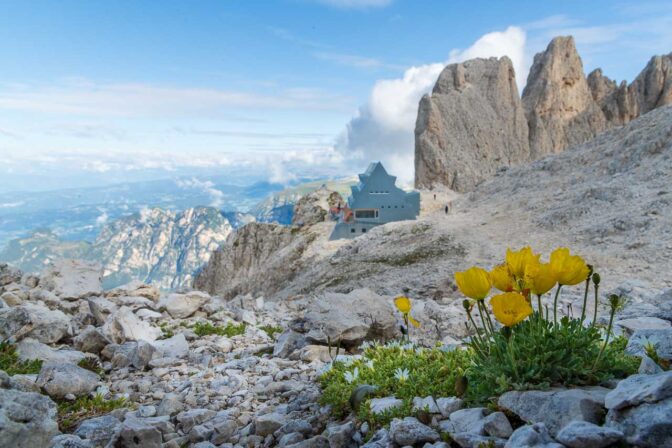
{"type": "Point", "coordinates": [596, 278]}
{"type": "Point", "coordinates": [590, 270]}
{"type": "Point", "coordinates": [467, 305]}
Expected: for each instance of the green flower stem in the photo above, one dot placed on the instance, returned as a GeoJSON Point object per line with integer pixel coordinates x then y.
{"type": "Point", "coordinates": [486, 323]}
{"type": "Point", "coordinates": [597, 287]}
{"type": "Point", "coordinates": [512, 357]}
{"type": "Point", "coordinates": [487, 314]}
{"type": "Point", "coordinates": [478, 342]}
{"type": "Point", "coordinates": [539, 309]}
{"type": "Point", "coordinates": [606, 339]}
{"type": "Point", "coordinates": [555, 304]}
{"type": "Point", "coordinates": [585, 299]}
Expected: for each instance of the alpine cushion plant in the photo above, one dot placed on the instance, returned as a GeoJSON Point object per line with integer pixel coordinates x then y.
{"type": "Point", "coordinates": [395, 369]}
{"type": "Point", "coordinates": [533, 350]}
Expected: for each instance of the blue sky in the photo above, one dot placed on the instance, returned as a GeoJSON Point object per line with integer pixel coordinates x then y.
{"type": "Point", "coordinates": [107, 91]}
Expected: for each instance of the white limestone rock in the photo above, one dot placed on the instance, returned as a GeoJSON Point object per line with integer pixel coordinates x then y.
{"type": "Point", "coordinates": [73, 279]}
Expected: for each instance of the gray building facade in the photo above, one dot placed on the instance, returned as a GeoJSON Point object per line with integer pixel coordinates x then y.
{"type": "Point", "coordinates": [374, 201]}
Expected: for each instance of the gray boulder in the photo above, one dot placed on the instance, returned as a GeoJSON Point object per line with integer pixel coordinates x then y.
{"type": "Point", "coordinates": [646, 425]}
{"type": "Point", "coordinates": [661, 339]}
{"type": "Point", "coordinates": [135, 433]}
{"type": "Point", "coordinates": [268, 423]}
{"type": "Point", "coordinates": [532, 436]}
{"type": "Point", "coordinates": [181, 306]}
{"type": "Point", "coordinates": [27, 420]}
{"type": "Point", "coordinates": [101, 308]}
{"type": "Point", "coordinates": [59, 380]}
{"type": "Point", "coordinates": [426, 403]}
{"type": "Point", "coordinates": [497, 425]}
{"type": "Point", "coordinates": [29, 349]}
{"type": "Point", "coordinates": [638, 389]}
{"type": "Point", "coordinates": [349, 318]}
{"type": "Point", "coordinates": [173, 347]}
{"type": "Point", "coordinates": [99, 430]}
{"type": "Point", "coordinates": [470, 420]}
{"type": "Point", "coordinates": [288, 343]}
{"type": "Point", "coordinates": [69, 441]}
{"type": "Point", "coordinates": [588, 435]}
{"type": "Point", "coordinates": [34, 321]}
{"type": "Point", "coordinates": [556, 407]}
{"type": "Point", "coordinates": [471, 440]}
{"type": "Point", "coordinates": [130, 354]}
{"type": "Point", "coordinates": [410, 431]}
{"type": "Point", "coordinates": [628, 326]}
{"type": "Point", "coordinates": [380, 405]}
{"type": "Point", "coordinates": [649, 366]}
{"type": "Point", "coordinates": [90, 340]}
{"type": "Point", "coordinates": [73, 279]}
{"type": "Point", "coordinates": [448, 405]}
{"type": "Point", "coordinates": [340, 436]}
{"type": "Point", "coordinates": [123, 325]}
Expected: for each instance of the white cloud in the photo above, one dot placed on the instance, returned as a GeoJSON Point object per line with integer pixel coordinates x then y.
{"type": "Point", "coordinates": [102, 219]}
{"type": "Point", "coordinates": [138, 100]}
{"type": "Point", "coordinates": [208, 187]}
{"type": "Point", "coordinates": [383, 127]}
{"type": "Point", "coordinates": [352, 60]}
{"type": "Point", "coordinates": [355, 4]}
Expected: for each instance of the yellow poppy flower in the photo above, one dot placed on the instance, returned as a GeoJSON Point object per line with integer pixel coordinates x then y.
{"type": "Point", "coordinates": [403, 304]}
{"type": "Point", "coordinates": [569, 269]}
{"type": "Point", "coordinates": [518, 260]}
{"type": "Point", "coordinates": [474, 283]}
{"type": "Point", "coordinates": [501, 278]}
{"type": "Point", "coordinates": [540, 278]}
{"type": "Point", "coordinates": [510, 308]}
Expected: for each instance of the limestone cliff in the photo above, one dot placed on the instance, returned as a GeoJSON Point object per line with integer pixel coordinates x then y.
{"type": "Point", "coordinates": [558, 103]}
{"type": "Point", "coordinates": [470, 125]}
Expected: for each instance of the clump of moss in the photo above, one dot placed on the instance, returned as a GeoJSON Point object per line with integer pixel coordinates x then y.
{"type": "Point", "coordinates": [271, 330]}
{"type": "Point", "coordinates": [71, 413]}
{"type": "Point", "coordinates": [10, 362]}
{"type": "Point", "coordinates": [230, 330]}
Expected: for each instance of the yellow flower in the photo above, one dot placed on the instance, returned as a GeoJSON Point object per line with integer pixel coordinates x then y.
{"type": "Point", "coordinates": [540, 278]}
{"type": "Point", "coordinates": [518, 260]}
{"type": "Point", "coordinates": [569, 269]}
{"type": "Point", "coordinates": [404, 306]}
{"type": "Point", "coordinates": [510, 308]}
{"type": "Point", "coordinates": [474, 283]}
{"type": "Point", "coordinates": [501, 278]}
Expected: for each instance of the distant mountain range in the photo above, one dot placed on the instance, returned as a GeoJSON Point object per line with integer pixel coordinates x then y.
{"type": "Point", "coordinates": [163, 245]}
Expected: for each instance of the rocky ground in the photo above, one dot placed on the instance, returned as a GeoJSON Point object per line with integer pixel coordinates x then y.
{"type": "Point", "coordinates": [249, 386]}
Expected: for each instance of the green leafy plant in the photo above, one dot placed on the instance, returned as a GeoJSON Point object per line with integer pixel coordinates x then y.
{"type": "Point", "coordinates": [71, 413]}
{"type": "Point", "coordinates": [230, 330]}
{"type": "Point", "coordinates": [540, 354]}
{"type": "Point", "coordinates": [91, 364]}
{"type": "Point", "coordinates": [271, 330]}
{"type": "Point", "coordinates": [400, 370]}
{"type": "Point", "coordinates": [10, 362]}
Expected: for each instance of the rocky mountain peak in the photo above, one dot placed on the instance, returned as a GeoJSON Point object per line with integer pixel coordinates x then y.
{"type": "Point", "coordinates": [471, 124]}
{"type": "Point", "coordinates": [558, 103]}
{"type": "Point", "coordinates": [653, 86]}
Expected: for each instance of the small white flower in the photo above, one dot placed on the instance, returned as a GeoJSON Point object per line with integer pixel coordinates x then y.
{"type": "Point", "coordinates": [351, 377]}
{"type": "Point", "coordinates": [369, 364]}
{"type": "Point", "coordinates": [401, 374]}
{"type": "Point", "coordinates": [408, 346]}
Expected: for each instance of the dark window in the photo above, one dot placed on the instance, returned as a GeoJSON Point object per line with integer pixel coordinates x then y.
{"type": "Point", "coordinates": [363, 230]}
{"type": "Point", "coordinates": [352, 230]}
{"type": "Point", "coordinates": [369, 213]}
{"type": "Point", "coordinates": [395, 206]}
